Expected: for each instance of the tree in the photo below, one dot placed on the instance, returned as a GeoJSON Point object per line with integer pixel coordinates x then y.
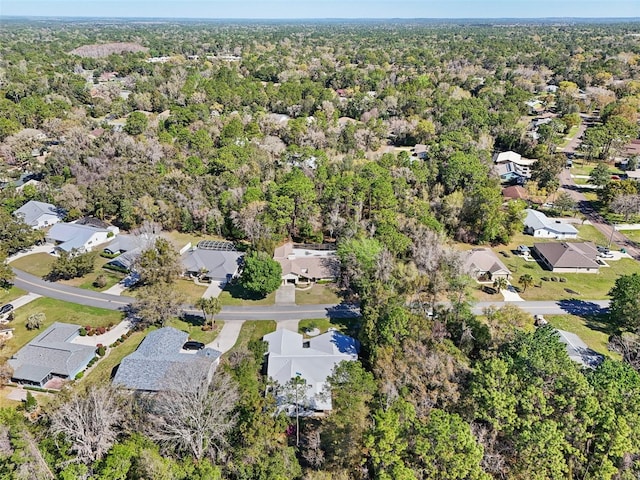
{"type": "Point", "coordinates": [72, 264]}
{"type": "Point", "coordinates": [295, 392]}
{"type": "Point", "coordinates": [209, 306]}
{"type": "Point", "coordinates": [158, 263]}
{"type": "Point", "coordinates": [90, 422]}
{"type": "Point", "coordinates": [500, 283]}
{"type": "Point", "coordinates": [136, 123]}
{"type": "Point", "coordinates": [261, 274]}
{"type": "Point", "coordinates": [546, 170]}
{"type": "Point", "coordinates": [30, 403]}
{"type": "Point", "coordinates": [194, 416]}
{"type": "Point", "coordinates": [35, 321]}
{"type": "Point", "coordinates": [6, 273]}
{"type": "Point", "coordinates": [624, 309]}
{"type": "Point", "coordinates": [157, 303]}
{"type": "Point", "coordinates": [564, 202]}
{"type": "Point", "coordinates": [16, 235]}
{"type": "Point", "coordinates": [526, 281]}
{"type": "Point", "coordinates": [600, 175]}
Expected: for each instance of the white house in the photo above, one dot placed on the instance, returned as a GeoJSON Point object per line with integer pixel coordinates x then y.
{"type": "Point", "coordinates": [39, 214]}
{"type": "Point", "coordinates": [304, 264]}
{"type": "Point", "coordinates": [511, 166]}
{"type": "Point", "coordinates": [84, 238]}
{"type": "Point", "coordinates": [290, 356]}
{"type": "Point", "coordinates": [539, 225]}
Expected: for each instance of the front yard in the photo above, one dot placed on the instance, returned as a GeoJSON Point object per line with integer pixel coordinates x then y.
{"type": "Point", "coordinates": [252, 330]}
{"type": "Point", "coordinates": [11, 294]}
{"type": "Point", "coordinates": [348, 326]}
{"type": "Point", "coordinates": [235, 295]}
{"type": "Point", "coordinates": [55, 311]}
{"type": "Point", "coordinates": [318, 295]}
{"type": "Point", "coordinates": [592, 330]}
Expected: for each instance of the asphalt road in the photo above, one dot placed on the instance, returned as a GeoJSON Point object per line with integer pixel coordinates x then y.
{"type": "Point", "coordinates": [80, 296]}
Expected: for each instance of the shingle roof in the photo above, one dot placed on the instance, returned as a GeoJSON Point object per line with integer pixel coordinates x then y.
{"type": "Point", "coordinates": [158, 363]}
{"type": "Point", "coordinates": [51, 352]}
{"type": "Point", "coordinates": [539, 221]}
{"type": "Point", "coordinates": [33, 210]}
{"type": "Point", "coordinates": [481, 260]}
{"type": "Point", "coordinates": [289, 358]}
{"type": "Point", "coordinates": [127, 259]}
{"type": "Point", "coordinates": [569, 254]}
{"type": "Point", "coordinates": [124, 243]}
{"type": "Point", "coordinates": [72, 235]}
{"type": "Point", "coordinates": [219, 265]}
{"type": "Point", "coordinates": [306, 262]}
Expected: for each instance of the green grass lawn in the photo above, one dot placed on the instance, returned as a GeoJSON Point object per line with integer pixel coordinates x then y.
{"type": "Point", "coordinates": [253, 330]}
{"type": "Point", "coordinates": [589, 233]}
{"type": "Point", "coordinates": [193, 326]}
{"type": "Point", "coordinates": [190, 290]}
{"type": "Point", "coordinates": [38, 264]}
{"type": "Point", "coordinates": [585, 168]}
{"type": "Point", "coordinates": [318, 295]}
{"type": "Point", "coordinates": [236, 295]}
{"type": "Point", "coordinates": [55, 311]}
{"type": "Point", "coordinates": [592, 331]}
{"type": "Point", "coordinates": [12, 293]}
{"type": "Point", "coordinates": [633, 235]}
{"type": "Point", "coordinates": [348, 326]}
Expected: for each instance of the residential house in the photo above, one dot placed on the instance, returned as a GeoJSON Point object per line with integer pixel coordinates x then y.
{"type": "Point", "coordinates": [289, 356]}
{"type": "Point", "coordinates": [128, 249]}
{"type": "Point", "coordinates": [84, 238]}
{"type": "Point", "coordinates": [539, 225]}
{"type": "Point", "coordinates": [419, 151]}
{"type": "Point", "coordinates": [51, 354]}
{"type": "Point", "coordinates": [510, 166]}
{"type": "Point", "coordinates": [305, 264]}
{"type": "Point", "coordinates": [39, 214]}
{"type": "Point", "coordinates": [485, 266]}
{"type": "Point", "coordinates": [567, 257]}
{"type": "Point", "coordinates": [515, 192]}
{"type": "Point", "coordinates": [212, 261]}
{"type": "Point", "coordinates": [160, 363]}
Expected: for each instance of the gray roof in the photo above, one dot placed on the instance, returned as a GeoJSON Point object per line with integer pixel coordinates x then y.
{"type": "Point", "coordinates": [123, 243]}
{"type": "Point", "coordinates": [159, 364]}
{"type": "Point", "coordinates": [482, 260]}
{"type": "Point", "coordinates": [218, 265]}
{"type": "Point", "coordinates": [51, 352]}
{"type": "Point", "coordinates": [126, 259]}
{"type": "Point", "coordinates": [539, 221]}
{"type": "Point", "coordinates": [72, 235]}
{"type": "Point", "coordinates": [288, 358]}
{"type": "Point", "coordinates": [32, 211]}
{"type": "Point", "coordinates": [568, 254]}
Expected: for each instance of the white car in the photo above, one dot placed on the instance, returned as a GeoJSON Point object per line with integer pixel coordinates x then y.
{"type": "Point", "coordinates": [539, 320]}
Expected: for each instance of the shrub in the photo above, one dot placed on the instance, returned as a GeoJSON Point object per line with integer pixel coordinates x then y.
{"type": "Point", "coordinates": [544, 279]}
{"type": "Point", "coordinates": [79, 375]}
{"type": "Point", "coordinates": [101, 350]}
{"type": "Point", "coordinates": [30, 402]}
{"type": "Point", "coordinates": [562, 280]}
{"type": "Point", "coordinates": [100, 281]}
{"type": "Point", "coordinates": [35, 321]}
{"type": "Point", "coordinates": [83, 332]}
{"type": "Point", "coordinates": [101, 330]}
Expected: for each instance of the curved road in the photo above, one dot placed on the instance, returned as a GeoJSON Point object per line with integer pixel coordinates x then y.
{"type": "Point", "coordinates": [90, 298]}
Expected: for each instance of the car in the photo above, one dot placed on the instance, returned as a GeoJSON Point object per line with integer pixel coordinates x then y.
{"type": "Point", "coordinates": [615, 177]}
{"type": "Point", "coordinates": [605, 255]}
{"type": "Point", "coordinates": [6, 308]}
{"type": "Point", "coordinates": [547, 205]}
{"type": "Point", "coordinates": [193, 345]}
{"type": "Point", "coordinates": [602, 249]}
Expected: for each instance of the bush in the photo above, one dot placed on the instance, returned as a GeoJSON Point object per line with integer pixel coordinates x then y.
{"type": "Point", "coordinates": [562, 280]}
{"type": "Point", "coordinates": [544, 279]}
{"type": "Point", "coordinates": [101, 330]}
{"type": "Point", "coordinates": [30, 403]}
{"type": "Point", "coordinates": [79, 375]}
{"type": "Point", "coordinates": [83, 332]}
{"type": "Point", "coordinates": [100, 281]}
{"type": "Point", "coordinates": [101, 350]}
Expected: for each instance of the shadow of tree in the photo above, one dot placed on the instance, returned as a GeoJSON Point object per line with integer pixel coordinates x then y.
{"type": "Point", "coordinates": [596, 318]}
{"type": "Point", "coordinates": [192, 319]}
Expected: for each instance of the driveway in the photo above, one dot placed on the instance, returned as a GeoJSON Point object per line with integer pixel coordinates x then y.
{"type": "Point", "coordinates": [578, 350]}
{"type": "Point", "coordinates": [288, 325]}
{"type": "Point", "coordinates": [214, 289]}
{"type": "Point", "coordinates": [286, 294]}
{"type": "Point", "coordinates": [227, 337]}
{"type": "Point", "coordinates": [105, 339]}
{"type": "Point", "coordinates": [44, 248]}
{"type": "Point", "coordinates": [23, 300]}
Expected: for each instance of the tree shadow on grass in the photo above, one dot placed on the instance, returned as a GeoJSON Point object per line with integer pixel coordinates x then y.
{"type": "Point", "coordinates": [236, 290]}
{"type": "Point", "coordinates": [192, 319]}
{"type": "Point", "coordinates": [595, 317]}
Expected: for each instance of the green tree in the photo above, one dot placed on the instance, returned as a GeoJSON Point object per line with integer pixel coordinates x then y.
{"type": "Point", "coordinates": [6, 273]}
{"type": "Point", "coordinates": [35, 321]}
{"type": "Point", "coordinates": [16, 235]}
{"type": "Point", "coordinates": [600, 175]}
{"type": "Point", "coordinates": [526, 281]}
{"type": "Point", "coordinates": [500, 283]}
{"type": "Point", "coordinates": [261, 274]}
{"type": "Point", "coordinates": [157, 303]}
{"type": "Point", "coordinates": [30, 403]}
{"type": "Point", "coordinates": [209, 306]}
{"type": "Point", "coordinates": [158, 263]}
{"type": "Point", "coordinates": [136, 123]}
{"type": "Point", "coordinates": [359, 261]}
{"type": "Point", "coordinates": [624, 309]}
{"type": "Point", "coordinates": [72, 264]}
{"type": "Point", "coordinates": [546, 170]}
{"type": "Point", "coordinates": [564, 202]}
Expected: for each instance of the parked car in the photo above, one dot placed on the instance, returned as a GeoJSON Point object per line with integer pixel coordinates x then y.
{"type": "Point", "coordinates": [6, 308]}
{"type": "Point", "coordinates": [602, 249]}
{"type": "Point", "coordinates": [193, 345]}
{"type": "Point", "coordinates": [539, 320]}
{"type": "Point", "coordinates": [605, 255]}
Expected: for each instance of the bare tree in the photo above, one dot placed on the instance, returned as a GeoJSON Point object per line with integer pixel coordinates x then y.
{"type": "Point", "coordinates": [626, 205]}
{"type": "Point", "coordinates": [194, 417]}
{"type": "Point", "coordinates": [157, 303]}
{"type": "Point", "coordinates": [90, 422]}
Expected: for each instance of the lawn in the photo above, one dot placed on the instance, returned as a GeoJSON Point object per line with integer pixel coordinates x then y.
{"type": "Point", "coordinates": [55, 311]}
{"type": "Point", "coordinates": [633, 235]}
{"type": "Point", "coordinates": [589, 233]}
{"type": "Point", "coordinates": [253, 330]}
{"type": "Point", "coordinates": [318, 295]}
{"type": "Point", "coordinates": [193, 326]}
{"type": "Point", "coordinates": [11, 294]}
{"type": "Point", "coordinates": [235, 294]}
{"type": "Point", "coordinates": [38, 264]}
{"type": "Point", "coordinates": [190, 290]}
{"type": "Point", "coordinates": [585, 168]}
{"type": "Point", "coordinates": [348, 326]}
{"type": "Point", "coordinates": [592, 331]}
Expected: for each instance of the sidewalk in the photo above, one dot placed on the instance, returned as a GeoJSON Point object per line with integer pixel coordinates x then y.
{"type": "Point", "coordinates": [227, 337]}
{"type": "Point", "coordinates": [23, 300]}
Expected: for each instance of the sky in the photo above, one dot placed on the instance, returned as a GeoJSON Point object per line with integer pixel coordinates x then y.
{"type": "Point", "coordinates": [287, 9]}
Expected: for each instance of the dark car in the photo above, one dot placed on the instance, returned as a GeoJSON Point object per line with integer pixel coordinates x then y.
{"type": "Point", "coordinates": [192, 345]}
{"type": "Point", "coordinates": [602, 249]}
{"type": "Point", "coordinates": [6, 308]}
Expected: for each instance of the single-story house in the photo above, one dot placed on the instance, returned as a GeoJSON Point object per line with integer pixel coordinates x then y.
{"type": "Point", "coordinates": [160, 363]}
{"type": "Point", "coordinates": [39, 214]}
{"type": "Point", "coordinates": [539, 225]}
{"type": "Point", "coordinates": [484, 265]}
{"type": "Point", "coordinates": [84, 238]}
{"type": "Point", "coordinates": [568, 257]}
{"type": "Point", "coordinates": [419, 151]}
{"type": "Point", "coordinates": [515, 192]}
{"type": "Point", "coordinates": [51, 354]}
{"type": "Point", "coordinates": [213, 261]}
{"type": "Point", "coordinates": [122, 244]}
{"type": "Point", "coordinates": [303, 264]}
{"type": "Point", "coordinates": [510, 166]}
{"type": "Point", "coordinates": [289, 356]}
